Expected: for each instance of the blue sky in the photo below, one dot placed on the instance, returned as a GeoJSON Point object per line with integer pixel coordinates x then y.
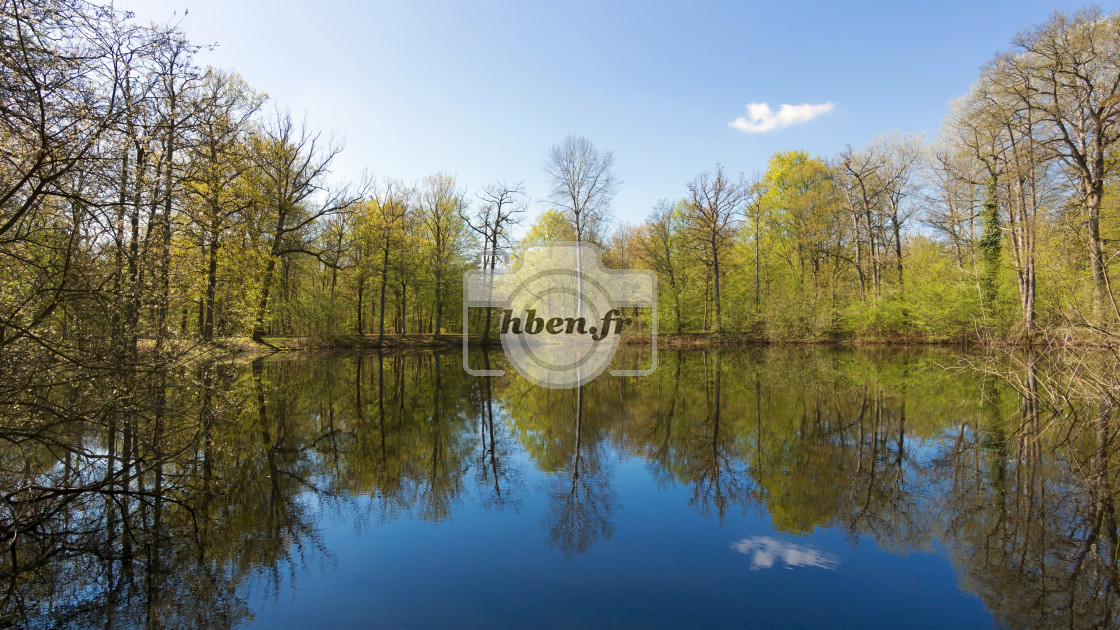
{"type": "Point", "coordinates": [481, 89]}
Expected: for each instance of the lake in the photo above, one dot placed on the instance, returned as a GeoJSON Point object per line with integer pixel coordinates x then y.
{"type": "Point", "coordinates": [773, 487]}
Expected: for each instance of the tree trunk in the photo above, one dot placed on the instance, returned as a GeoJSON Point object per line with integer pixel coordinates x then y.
{"type": "Point", "coordinates": [676, 298]}
{"type": "Point", "coordinates": [990, 246]}
{"type": "Point", "coordinates": [897, 245]}
{"type": "Point", "coordinates": [1096, 256]}
{"type": "Point", "coordinates": [715, 276]}
{"type": "Point", "coordinates": [164, 305]}
{"type": "Point", "coordinates": [757, 283]}
{"type": "Point", "coordinates": [384, 282]}
{"type": "Point", "coordinates": [211, 286]}
{"type": "Point", "coordinates": [361, 293]}
{"type": "Point", "coordinates": [258, 329]}
{"type": "Point", "coordinates": [437, 328]}
{"type": "Point", "coordinates": [493, 266]}
{"type": "Point", "coordinates": [872, 251]}
{"type": "Point", "coordinates": [859, 260]}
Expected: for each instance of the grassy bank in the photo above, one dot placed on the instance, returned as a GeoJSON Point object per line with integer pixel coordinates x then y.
{"type": "Point", "coordinates": [452, 341]}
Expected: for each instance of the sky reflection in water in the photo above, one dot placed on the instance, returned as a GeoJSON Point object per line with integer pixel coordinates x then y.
{"type": "Point", "coordinates": [773, 488]}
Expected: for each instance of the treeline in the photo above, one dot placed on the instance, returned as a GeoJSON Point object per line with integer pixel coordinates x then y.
{"type": "Point", "coordinates": [1003, 224]}
{"type": "Point", "coordinates": [143, 197]}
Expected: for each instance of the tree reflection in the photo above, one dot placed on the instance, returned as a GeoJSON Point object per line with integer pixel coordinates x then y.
{"type": "Point", "coordinates": [143, 525]}
{"type": "Point", "coordinates": [1039, 541]}
{"type": "Point", "coordinates": [582, 499]}
{"type": "Point", "coordinates": [499, 483]}
{"type": "Point", "coordinates": [213, 481]}
{"type": "Point", "coordinates": [714, 458]}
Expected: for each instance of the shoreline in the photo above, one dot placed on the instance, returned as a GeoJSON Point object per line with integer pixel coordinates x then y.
{"type": "Point", "coordinates": [244, 348]}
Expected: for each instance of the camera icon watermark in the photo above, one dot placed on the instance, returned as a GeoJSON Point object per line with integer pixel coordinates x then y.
{"type": "Point", "coordinates": [562, 312]}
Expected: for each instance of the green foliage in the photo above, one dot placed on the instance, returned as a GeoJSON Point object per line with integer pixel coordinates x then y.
{"type": "Point", "coordinates": [191, 213]}
{"type": "Point", "coordinates": [550, 225]}
{"type": "Point", "coordinates": [990, 246]}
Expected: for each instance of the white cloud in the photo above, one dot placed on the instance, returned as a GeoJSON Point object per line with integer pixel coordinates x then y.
{"type": "Point", "coordinates": [765, 551]}
{"type": "Point", "coordinates": [760, 118]}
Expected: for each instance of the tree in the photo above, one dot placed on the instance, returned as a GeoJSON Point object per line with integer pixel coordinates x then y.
{"type": "Point", "coordinates": [980, 139]}
{"type": "Point", "coordinates": [583, 184]}
{"type": "Point", "coordinates": [1005, 90]}
{"type": "Point", "coordinates": [901, 155]}
{"type": "Point", "coordinates": [863, 191]}
{"type": "Point", "coordinates": [501, 205]}
{"type": "Point", "coordinates": [218, 162]}
{"type": "Point", "coordinates": [757, 191]}
{"type": "Point", "coordinates": [363, 235]}
{"type": "Point", "coordinates": [176, 79]}
{"type": "Point", "coordinates": [951, 196]}
{"type": "Point", "coordinates": [1071, 71]}
{"type": "Point", "coordinates": [409, 255]}
{"type": "Point", "coordinates": [56, 107]}
{"type": "Point", "coordinates": [809, 229]}
{"type": "Point", "coordinates": [440, 211]}
{"type": "Point", "coordinates": [291, 166]}
{"type": "Point", "coordinates": [393, 200]}
{"type": "Point", "coordinates": [660, 249]}
{"type": "Point", "coordinates": [714, 201]}
{"type": "Point", "coordinates": [1004, 131]}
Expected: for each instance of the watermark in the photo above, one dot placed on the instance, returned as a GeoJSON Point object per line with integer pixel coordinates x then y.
{"type": "Point", "coordinates": [561, 314]}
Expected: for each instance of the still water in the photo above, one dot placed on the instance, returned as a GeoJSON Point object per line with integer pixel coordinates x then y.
{"type": "Point", "coordinates": [768, 487]}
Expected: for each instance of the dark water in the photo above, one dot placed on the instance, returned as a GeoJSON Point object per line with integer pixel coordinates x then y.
{"type": "Point", "coordinates": [766, 488]}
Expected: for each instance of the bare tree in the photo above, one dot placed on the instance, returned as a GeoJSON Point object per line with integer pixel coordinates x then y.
{"type": "Point", "coordinates": [863, 192]}
{"type": "Point", "coordinates": [900, 160]}
{"type": "Point", "coordinates": [501, 205]}
{"type": "Point", "coordinates": [951, 197]}
{"type": "Point", "coordinates": [1007, 133]}
{"type": "Point", "coordinates": [714, 202]}
{"type": "Point", "coordinates": [292, 165]}
{"type": "Point", "coordinates": [583, 184]}
{"type": "Point", "coordinates": [1072, 67]}
{"type": "Point", "coordinates": [54, 104]}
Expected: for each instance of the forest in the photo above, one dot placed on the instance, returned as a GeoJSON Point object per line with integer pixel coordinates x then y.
{"type": "Point", "coordinates": [147, 201]}
{"type": "Point", "coordinates": [156, 213]}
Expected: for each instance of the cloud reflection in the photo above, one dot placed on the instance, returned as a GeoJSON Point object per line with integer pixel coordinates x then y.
{"type": "Point", "coordinates": [765, 551]}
